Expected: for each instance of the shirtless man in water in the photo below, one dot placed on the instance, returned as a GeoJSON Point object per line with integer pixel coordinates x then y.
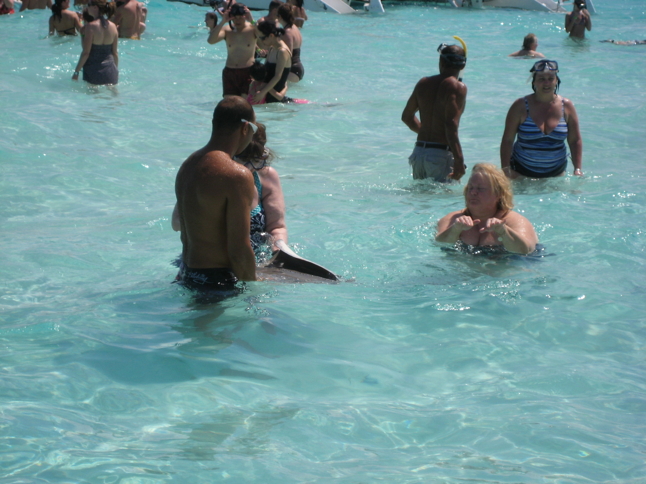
{"type": "Point", "coordinates": [214, 198]}
{"type": "Point", "coordinates": [240, 37]}
{"type": "Point", "coordinates": [577, 21]}
{"type": "Point", "coordinates": [130, 19]}
{"type": "Point", "coordinates": [440, 100]}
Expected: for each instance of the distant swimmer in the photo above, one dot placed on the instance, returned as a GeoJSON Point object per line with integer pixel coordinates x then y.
{"type": "Point", "coordinates": [625, 42]}
{"type": "Point", "coordinates": [272, 14]}
{"type": "Point", "coordinates": [440, 100]}
{"type": "Point", "coordinates": [541, 123]}
{"type": "Point", "coordinates": [214, 203]}
{"type": "Point", "coordinates": [530, 44]}
{"type": "Point", "coordinates": [211, 19]}
{"type": "Point", "coordinates": [578, 21]}
{"type": "Point", "coordinates": [240, 37]}
{"type": "Point", "coordinates": [488, 219]}
{"type": "Point", "coordinates": [300, 15]}
{"type": "Point", "coordinates": [130, 18]}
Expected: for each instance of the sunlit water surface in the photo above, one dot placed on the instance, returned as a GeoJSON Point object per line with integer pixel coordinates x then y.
{"type": "Point", "coordinates": [422, 366]}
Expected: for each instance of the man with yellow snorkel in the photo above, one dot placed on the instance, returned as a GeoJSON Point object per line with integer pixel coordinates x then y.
{"type": "Point", "coordinates": [440, 100]}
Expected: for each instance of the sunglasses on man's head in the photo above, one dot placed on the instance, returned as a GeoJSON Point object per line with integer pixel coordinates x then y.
{"type": "Point", "coordinates": [254, 126]}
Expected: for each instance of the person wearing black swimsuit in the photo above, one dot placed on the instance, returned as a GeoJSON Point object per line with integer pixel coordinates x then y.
{"type": "Point", "coordinates": [293, 39]}
{"type": "Point", "coordinates": [278, 64]}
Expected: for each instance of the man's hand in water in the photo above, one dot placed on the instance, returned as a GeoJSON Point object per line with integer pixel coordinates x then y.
{"type": "Point", "coordinates": [458, 172]}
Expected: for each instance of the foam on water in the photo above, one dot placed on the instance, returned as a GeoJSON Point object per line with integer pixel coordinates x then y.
{"type": "Point", "coordinates": [425, 366]}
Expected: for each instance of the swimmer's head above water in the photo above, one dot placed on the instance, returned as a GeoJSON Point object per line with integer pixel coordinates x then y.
{"type": "Point", "coordinates": [530, 42]}
{"type": "Point", "coordinates": [499, 183]}
{"type": "Point", "coordinates": [256, 156]}
{"type": "Point", "coordinates": [257, 71]}
{"type": "Point", "coordinates": [452, 56]}
{"type": "Point", "coordinates": [267, 28]}
{"type": "Point", "coordinates": [545, 65]}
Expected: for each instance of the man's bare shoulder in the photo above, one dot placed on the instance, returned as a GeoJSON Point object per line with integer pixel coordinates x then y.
{"type": "Point", "coordinates": [428, 82]}
{"type": "Point", "coordinates": [214, 172]}
{"type": "Point", "coordinates": [452, 84]}
{"type": "Point", "coordinates": [217, 163]}
{"type": "Point", "coordinates": [446, 84]}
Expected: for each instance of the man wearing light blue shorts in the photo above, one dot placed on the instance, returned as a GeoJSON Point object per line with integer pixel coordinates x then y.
{"type": "Point", "coordinates": [440, 100]}
{"type": "Point", "coordinates": [431, 160]}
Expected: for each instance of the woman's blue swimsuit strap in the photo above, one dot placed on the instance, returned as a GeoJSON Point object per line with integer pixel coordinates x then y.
{"type": "Point", "coordinates": [258, 222]}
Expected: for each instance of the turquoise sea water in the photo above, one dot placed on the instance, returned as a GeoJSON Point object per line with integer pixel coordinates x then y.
{"type": "Point", "coordinates": [423, 366]}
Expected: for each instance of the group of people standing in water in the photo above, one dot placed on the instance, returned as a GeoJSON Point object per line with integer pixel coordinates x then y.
{"type": "Point", "coordinates": [100, 23]}
{"type": "Point", "coordinates": [275, 37]}
{"type": "Point", "coordinates": [230, 202]}
{"type": "Point", "coordinates": [533, 145]}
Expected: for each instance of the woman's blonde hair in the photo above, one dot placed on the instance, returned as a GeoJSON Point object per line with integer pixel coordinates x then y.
{"type": "Point", "coordinates": [500, 185]}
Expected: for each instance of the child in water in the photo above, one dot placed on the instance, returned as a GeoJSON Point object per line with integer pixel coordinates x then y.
{"type": "Point", "coordinates": [258, 76]}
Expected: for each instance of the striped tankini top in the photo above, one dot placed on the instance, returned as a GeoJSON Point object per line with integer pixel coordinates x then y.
{"type": "Point", "coordinates": [540, 155]}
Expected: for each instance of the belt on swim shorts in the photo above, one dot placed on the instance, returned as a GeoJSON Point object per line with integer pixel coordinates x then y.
{"type": "Point", "coordinates": [428, 144]}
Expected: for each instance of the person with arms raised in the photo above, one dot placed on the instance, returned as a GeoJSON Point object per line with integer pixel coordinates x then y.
{"type": "Point", "coordinates": [578, 20]}
{"type": "Point", "coordinates": [240, 37]}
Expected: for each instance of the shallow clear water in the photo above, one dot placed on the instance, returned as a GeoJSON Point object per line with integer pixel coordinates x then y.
{"type": "Point", "coordinates": [424, 366]}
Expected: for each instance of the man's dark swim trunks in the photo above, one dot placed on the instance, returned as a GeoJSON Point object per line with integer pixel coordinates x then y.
{"type": "Point", "coordinates": [236, 81]}
{"type": "Point", "coordinates": [218, 283]}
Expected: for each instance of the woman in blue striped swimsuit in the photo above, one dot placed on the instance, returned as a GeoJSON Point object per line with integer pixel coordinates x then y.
{"type": "Point", "coordinates": [540, 124]}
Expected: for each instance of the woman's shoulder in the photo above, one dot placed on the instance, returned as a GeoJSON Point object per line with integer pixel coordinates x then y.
{"type": "Point", "coordinates": [518, 106]}
{"type": "Point", "coordinates": [566, 102]}
{"type": "Point", "coordinates": [113, 27]}
{"type": "Point", "coordinates": [268, 173]}
{"type": "Point", "coordinates": [284, 51]}
{"type": "Point", "coordinates": [515, 218]}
